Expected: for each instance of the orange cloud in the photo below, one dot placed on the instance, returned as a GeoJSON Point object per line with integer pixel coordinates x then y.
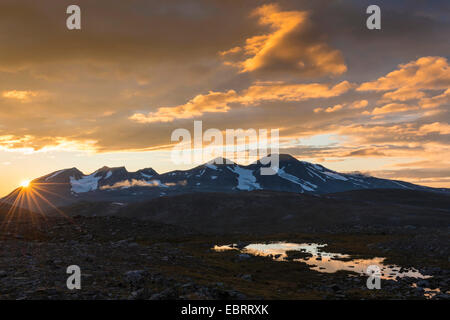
{"type": "Point", "coordinates": [393, 107]}
{"type": "Point", "coordinates": [403, 94]}
{"type": "Point", "coordinates": [334, 108]}
{"type": "Point", "coordinates": [409, 82]}
{"type": "Point", "coordinates": [22, 96]}
{"type": "Point", "coordinates": [291, 46]}
{"type": "Point", "coordinates": [368, 152]}
{"type": "Point", "coordinates": [359, 104]}
{"type": "Point", "coordinates": [436, 101]}
{"type": "Point", "coordinates": [441, 128]}
{"type": "Point", "coordinates": [230, 51]}
{"type": "Point", "coordinates": [211, 102]}
{"type": "Point", "coordinates": [293, 92]}
{"type": "Point", "coordinates": [220, 101]}
{"type": "Point", "coordinates": [30, 143]}
{"type": "Point", "coordinates": [426, 73]}
{"type": "Point", "coordinates": [354, 105]}
{"type": "Point", "coordinates": [317, 110]}
{"type": "Point", "coordinates": [405, 136]}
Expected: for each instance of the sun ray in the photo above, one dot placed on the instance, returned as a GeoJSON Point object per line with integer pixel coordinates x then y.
{"type": "Point", "coordinates": [52, 205]}
{"type": "Point", "coordinates": [31, 196]}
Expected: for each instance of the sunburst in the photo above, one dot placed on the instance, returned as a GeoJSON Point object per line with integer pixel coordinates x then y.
{"type": "Point", "coordinates": [25, 183]}
{"type": "Point", "coordinates": [30, 195]}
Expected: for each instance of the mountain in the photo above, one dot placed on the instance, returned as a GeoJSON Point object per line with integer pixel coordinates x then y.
{"type": "Point", "coordinates": [67, 186]}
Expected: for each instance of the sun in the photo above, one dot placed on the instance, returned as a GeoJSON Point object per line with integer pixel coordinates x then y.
{"type": "Point", "coordinates": [25, 183]}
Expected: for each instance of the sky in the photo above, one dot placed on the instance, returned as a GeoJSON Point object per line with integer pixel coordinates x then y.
{"type": "Point", "coordinates": [112, 93]}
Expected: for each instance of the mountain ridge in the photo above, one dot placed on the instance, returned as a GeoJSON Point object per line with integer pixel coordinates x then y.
{"type": "Point", "coordinates": [117, 184]}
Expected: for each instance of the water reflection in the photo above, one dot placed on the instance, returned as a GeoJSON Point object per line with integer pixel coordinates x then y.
{"type": "Point", "coordinates": [428, 292]}
{"type": "Point", "coordinates": [322, 261]}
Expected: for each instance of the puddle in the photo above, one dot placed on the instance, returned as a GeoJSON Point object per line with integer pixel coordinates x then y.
{"type": "Point", "coordinates": [428, 292]}
{"type": "Point", "coordinates": [224, 248]}
{"type": "Point", "coordinates": [323, 261]}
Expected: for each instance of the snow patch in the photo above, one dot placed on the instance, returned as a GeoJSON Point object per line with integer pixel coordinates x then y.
{"type": "Point", "coordinates": [401, 185]}
{"type": "Point", "coordinates": [146, 175]}
{"type": "Point", "coordinates": [304, 184]}
{"type": "Point", "coordinates": [85, 184]}
{"type": "Point", "coordinates": [246, 179]}
{"type": "Point", "coordinates": [310, 171]}
{"type": "Point", "coordinates": [201, 173]}
{"type": "Point", "coordinates": [336, 176]}
{"type": "Point", "coordinates": [317, 166]}
{"type": "Point", "coordinates": [357, 179]}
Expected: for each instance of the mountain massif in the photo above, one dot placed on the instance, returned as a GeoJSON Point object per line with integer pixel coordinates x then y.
{"type": "Point", "coordinates": [68, 186]}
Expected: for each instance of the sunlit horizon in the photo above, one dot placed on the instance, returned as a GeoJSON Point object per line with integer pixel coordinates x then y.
{"type": "Point", "coordinates": [162, 164]}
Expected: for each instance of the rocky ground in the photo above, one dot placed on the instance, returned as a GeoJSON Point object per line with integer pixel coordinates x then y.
{"type": "Point", "coordinates": [122, 258]}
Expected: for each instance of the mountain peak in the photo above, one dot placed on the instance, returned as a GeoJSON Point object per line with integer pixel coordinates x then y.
{"type": "Point", "coordinates": [282, 157]}
{"type": "Point", "coordinates": [104, 168]}
{"type": "Point", "coordinates": [220, 160]}
{"type": "Point", "coordinates": [72, 170]}
{"type": "Point", "coordinates": [115, 170]}
{"type": "Point", "coordinates": [147, 169]}
{"type": "Point", "coordinates": [147, 172]}
{"type": "Point", "coordinates": [60, 175]}
{"type": "Point", "coordinates": [286, 157]}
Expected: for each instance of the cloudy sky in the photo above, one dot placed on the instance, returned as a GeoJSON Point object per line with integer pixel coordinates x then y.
{"type": "Point", "coordinates": [352, 99]}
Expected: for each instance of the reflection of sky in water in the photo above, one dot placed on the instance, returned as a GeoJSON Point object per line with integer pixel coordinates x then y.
{"type": "Point", "coordinates": [323, 261]}
{"type": "Point", "coordinates": [223, 248]}
{"type": "Point", "coordinates": [429, 293]}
